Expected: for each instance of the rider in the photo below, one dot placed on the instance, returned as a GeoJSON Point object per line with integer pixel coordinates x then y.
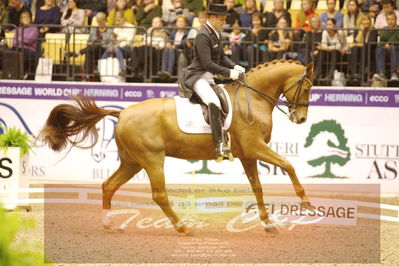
{"type": "Point", "coordinates": [209, 59]}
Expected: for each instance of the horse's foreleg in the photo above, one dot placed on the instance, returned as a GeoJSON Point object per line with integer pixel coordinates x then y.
{"type": "Point", "coordinates": [125, 171]}
{"type": "Point", "coordinates": [251, 170]}
{"type": "Point", "coordinates": [160, 195]}
{"type": "Point", "coordinates": [266, 154]}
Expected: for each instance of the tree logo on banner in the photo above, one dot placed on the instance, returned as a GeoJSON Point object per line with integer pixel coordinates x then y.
{"type": "Point", "coordinates": [330, 142]}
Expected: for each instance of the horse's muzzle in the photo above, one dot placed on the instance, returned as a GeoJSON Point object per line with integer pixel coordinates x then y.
{"type": "Point", "coordinates": [301, 120]}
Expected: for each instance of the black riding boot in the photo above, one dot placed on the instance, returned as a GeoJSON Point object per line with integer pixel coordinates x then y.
{"type": "Point", "coordinates": [222, 150]}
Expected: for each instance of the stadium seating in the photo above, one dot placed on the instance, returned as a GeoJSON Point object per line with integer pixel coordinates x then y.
{"type": "Point", "coordinates": [9, 37]}
{"type": "Point", "coordinates": [54, 46]}
{"type": "Point", "coordinates": [76, 43]}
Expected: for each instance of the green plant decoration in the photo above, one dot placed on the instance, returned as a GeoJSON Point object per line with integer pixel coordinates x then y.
{"type": "Point", "coordinates": [13, 137]}
{"type": "Point", "coordinates": [27, 253]}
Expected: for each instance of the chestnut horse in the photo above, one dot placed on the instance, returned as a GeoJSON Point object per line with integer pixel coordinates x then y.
{"type": "Point", "coordinates": [147, 132]}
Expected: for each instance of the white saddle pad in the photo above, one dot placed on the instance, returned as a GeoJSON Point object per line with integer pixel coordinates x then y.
{"type": "Point", "coordinates": [190, 118]}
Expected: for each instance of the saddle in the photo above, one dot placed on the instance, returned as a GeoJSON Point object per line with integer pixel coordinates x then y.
{"type": "Point", "coordinates": [205, 112]}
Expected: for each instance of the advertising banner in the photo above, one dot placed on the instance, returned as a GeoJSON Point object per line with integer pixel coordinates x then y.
{"type": "Point", "coordinates": [351, 136]}
{"type": "Point", "coordinates": [224, 227]}
{"type": "Point", "coordinates": [13, 176]}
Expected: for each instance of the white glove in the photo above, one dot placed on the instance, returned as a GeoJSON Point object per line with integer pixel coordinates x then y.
{"type": "Point", "coordinates": [239, 68]}
{"type": "Point", "coordinates": [234, 74]}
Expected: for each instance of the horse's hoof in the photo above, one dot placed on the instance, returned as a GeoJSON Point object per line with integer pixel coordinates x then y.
{"type": "Point", "coordinates": [307, 206]}
{"type": "Point", "coordinates": [189, 232]}
{"type": "Point", "coordinates": [271, 230]}
{"type": "Point", "coordinates": [109, 229]}
{"type": "Point", "coordinates": [185, 230]}
{"type": "Point", "coordinates": [119, 230]}
{"type": "Point", "coordinates": [269, 227]}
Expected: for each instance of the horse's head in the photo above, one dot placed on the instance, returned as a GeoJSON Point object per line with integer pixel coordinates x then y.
{"type": "Point", "coordinates": [296, 90]}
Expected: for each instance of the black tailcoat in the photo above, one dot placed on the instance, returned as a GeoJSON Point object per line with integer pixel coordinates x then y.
{"type": "Point", "coordinates": [208, 57]}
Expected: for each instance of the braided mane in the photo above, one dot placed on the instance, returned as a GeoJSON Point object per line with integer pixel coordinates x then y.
{"type": "Point", "coordinates": [273, 63]}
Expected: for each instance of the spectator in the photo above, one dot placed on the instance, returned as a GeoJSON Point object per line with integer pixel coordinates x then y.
{"type": "Point", "coordinates": [198, 23]}
{"type": "Point", "coordinates": [332, 13]}
{"type": "Point", "coordinates": [156, 36]}
{"type": "Point", "coordinates": [193, 6]}
{"type": "Point", "coordinates": [371, 6]}
{"type": "Point", "coordinates": [15, 9]}
{"type": "Point", "coordinates": [121, 5]}
{"type": "Point", "coordinates": [246, 16]}
{"type": "Point", "coordinates": [3, 20]}
{"type": "Point", "coordinates": [25, 39]}
{"type": "Point", "coordinates": [232, 16]}
{"type": "Point", "coordinates": [387, 7]}
{"type": "Point", "coordinates": [364, 43]}
{"type": "Point", "coordinates": [277, 12]}
{"type": "Point", "coordinates": [233, 48]}
{"type": "Point", "coordinates": [124, 35]}
{"type": "Point", "coordinates": [146, 12]}
{"type": "Point", "coordinates": [312, 40]}
{"type": "Point", "coordinates": [257, 41]}
{"type": "Point", "coordinates": [63, 5]}
{"type": "Point", "coordinates": [156, 41]}
{"type": "Point", "coordinates": [166, 5]}
{"type": "Point", "coordinates": [388, 44]}
{"type": "Point", "coordinates": [135, 4]}
{"type": "Point", "coordinates": [353, 17]}
{"type": "Point", "coordinates": [279, 40]}
{"type": "Point", "coordinates": [4, 16]}
{"type": "Point", "coordinates": [169, 16]}
{"type": "Point", "coordinates": [49, 13]}
{"type": "Point", "coordinates": [36, 4]}
{"type": "Point", "coordinates": [333, 45]}
{"type": "Point", "coordinates": [92, 7]}
{"type": "Point", "coordinates": [100, 39]}
{"type": "Point", "coordinates": [304, 15]}
{"type": "Point", "coordinates": [73, 17]}
{"type": "Point", "coordinates": [174, 46]}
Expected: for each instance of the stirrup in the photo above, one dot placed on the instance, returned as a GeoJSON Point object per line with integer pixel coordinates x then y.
{"type": "Point", "coordinates": [223, 151]}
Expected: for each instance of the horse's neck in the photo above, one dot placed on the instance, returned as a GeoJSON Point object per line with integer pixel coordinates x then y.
{"type": "Point", "coordinates": [243, 98]}
{"type": "Point", "coordinates": [269, 80]}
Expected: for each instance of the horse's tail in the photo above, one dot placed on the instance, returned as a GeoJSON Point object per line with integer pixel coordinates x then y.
{"type": "Point", "coordinates": [74, 123]}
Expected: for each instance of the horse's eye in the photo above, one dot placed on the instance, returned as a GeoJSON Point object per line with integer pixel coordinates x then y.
{"type": "Point", "coordinates": [306, 91]}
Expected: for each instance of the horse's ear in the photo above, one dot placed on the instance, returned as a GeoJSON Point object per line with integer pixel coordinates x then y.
{"type": "Point", "coordinates": [309, 69]}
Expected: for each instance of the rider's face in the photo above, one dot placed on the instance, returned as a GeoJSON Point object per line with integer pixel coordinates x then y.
{"type": "Point", "coordinates": [217, 21]}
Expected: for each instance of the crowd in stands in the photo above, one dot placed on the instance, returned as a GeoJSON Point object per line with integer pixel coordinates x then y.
{"type": "Point", "coordinates": [348, 34]}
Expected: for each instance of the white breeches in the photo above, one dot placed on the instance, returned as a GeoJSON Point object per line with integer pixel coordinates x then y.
{"type": "Point", "coordinates": [205, 91]}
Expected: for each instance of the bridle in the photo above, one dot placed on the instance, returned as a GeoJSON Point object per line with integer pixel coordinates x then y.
{"type": "Point", "coordinates": [290, 104]}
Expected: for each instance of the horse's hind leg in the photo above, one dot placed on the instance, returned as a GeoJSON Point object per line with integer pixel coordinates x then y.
{"type": "Point", "coordinates": [125, 171]}
{"type": "Point", "coordinates": [155, 171]}
{"type": "Point", "coordinates": [251, 170]}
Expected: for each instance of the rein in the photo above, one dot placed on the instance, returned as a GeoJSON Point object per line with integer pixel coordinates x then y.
{"type": "Point", "coordinates": [290, 104]}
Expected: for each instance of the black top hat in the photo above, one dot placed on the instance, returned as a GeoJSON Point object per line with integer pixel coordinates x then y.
{"type": "Point", "coordinates": [217, 7]}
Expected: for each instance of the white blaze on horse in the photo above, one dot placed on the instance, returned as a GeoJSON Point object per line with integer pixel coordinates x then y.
{"type": "Point", "coordinates": [147, 132]}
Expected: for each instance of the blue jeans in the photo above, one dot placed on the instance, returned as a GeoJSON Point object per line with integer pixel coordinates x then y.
{"type": "Point", "coordinates": [119, 52]}
{"type": "Point", "coordinates": [380, 58]}
{"type": "Point", "coordinates": [168, 60]}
